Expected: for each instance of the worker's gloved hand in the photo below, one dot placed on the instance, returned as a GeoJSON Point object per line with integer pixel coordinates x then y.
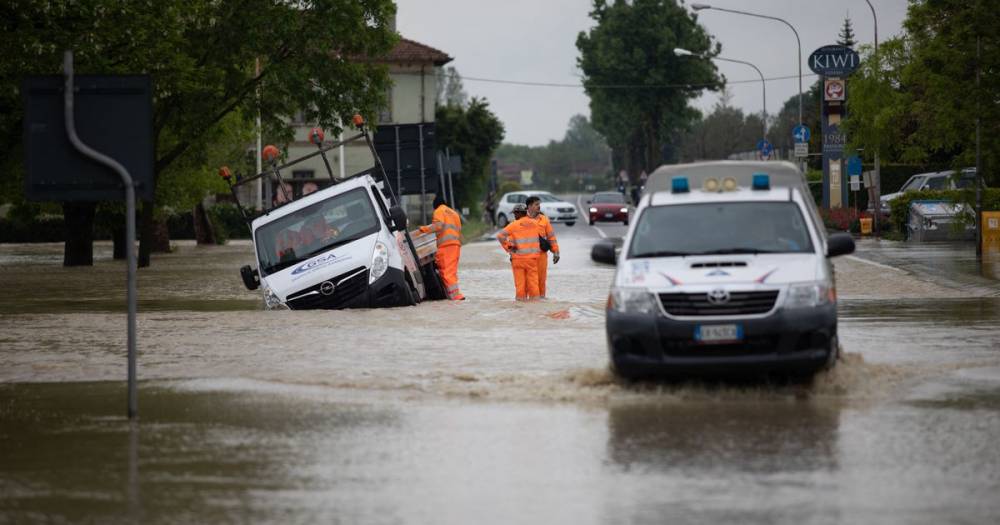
{"type": "Point", "coordinates": [555, 258]}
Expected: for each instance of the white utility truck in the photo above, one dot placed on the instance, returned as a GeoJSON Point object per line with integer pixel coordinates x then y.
{"type": "Point", "coordinates": [342, 246]}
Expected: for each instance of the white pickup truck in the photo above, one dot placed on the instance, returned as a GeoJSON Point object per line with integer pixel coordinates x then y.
{"type": "Point", "coordinates": [343, 246]}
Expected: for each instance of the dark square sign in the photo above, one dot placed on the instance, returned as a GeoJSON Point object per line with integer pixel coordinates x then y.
{"type": "Point", "coordinates": [114, 115]}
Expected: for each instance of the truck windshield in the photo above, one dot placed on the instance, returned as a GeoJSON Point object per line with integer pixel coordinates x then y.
{"type": "Point", "coordinates": [315, 229]}
{"type": "Point", "coordinates": [714, 228]}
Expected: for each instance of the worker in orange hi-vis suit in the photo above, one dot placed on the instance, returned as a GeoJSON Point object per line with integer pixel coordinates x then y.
{"type": "Point", "coordinates": [520, 239]}
{"type": "Point", "coordinates": [447, 224]}
{"type": "Point", "coordinates": [534, 205]}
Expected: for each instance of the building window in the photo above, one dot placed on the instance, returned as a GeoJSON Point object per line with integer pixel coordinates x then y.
{"type": "Point", "coordinates": [385, 113]}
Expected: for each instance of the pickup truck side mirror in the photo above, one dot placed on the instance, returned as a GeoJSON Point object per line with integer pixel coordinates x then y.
{"type": "Point", "coordinates": [839, 244]}
{"type": "Point", "coordinates": [251, 278]}
{"type": "Point", "coordinates": [398, 217]}
{"type": "Point", "coordinates": [603, 252]}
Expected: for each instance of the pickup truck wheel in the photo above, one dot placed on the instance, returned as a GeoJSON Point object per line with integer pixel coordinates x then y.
{"type": "Point", "coordinates": [502, 221]}
{"type": "Point", "coordinates": [411, 297]}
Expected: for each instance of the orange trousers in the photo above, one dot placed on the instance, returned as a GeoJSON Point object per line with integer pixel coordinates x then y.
{"type": "Point", "coordinates": [525, 277]}
{"type": "Point", "coordinates": [543, 271]}
{"type": "Point", "coordinates": [446, 260]}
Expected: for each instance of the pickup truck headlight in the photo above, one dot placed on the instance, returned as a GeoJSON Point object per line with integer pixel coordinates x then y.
{"type": "Point", "coordinates": [380, 262]}
{"type": "Point", "coordinates": [632, 301]}
{"type": "Point", "coordinates": [810, 295]}
{"type": "Point", "coordinates": [593, 210]}
{"type": "Point", "coordinates": [624, 210]}
{"type": "Point", "coordinates": [271, 300]}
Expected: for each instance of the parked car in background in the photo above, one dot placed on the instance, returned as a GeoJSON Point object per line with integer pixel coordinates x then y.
{"type": "Point", "coordinates": [607, 206]}
{"type": "Point", "coordinates": [942, 180]}
{"type": "Point", "coordinates": [556, 209]}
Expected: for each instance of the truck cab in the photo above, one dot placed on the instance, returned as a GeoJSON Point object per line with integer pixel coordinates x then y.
{"type": "Point", "coordinates": [725, 270]}
{"type": "Point", "coordinates": [343, 246]}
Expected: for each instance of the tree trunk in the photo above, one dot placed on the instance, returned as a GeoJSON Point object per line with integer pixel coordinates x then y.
{"type": "Point", "coordinates": [79, 220]}
{"type": "Point", "coordinates": [204, 233]}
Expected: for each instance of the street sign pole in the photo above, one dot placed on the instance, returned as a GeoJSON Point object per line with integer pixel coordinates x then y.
{"type": "Point", "coordinates": [133, 397]}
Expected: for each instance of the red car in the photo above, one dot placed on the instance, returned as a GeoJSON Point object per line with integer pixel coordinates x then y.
{"type": "Point", "coordinates": [608, 206]}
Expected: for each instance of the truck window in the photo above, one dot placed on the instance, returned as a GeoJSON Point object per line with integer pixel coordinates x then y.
{"type": "Point", "coordinates": [714, 228]}
{"type": "Point", "coordinates": [315, 229]}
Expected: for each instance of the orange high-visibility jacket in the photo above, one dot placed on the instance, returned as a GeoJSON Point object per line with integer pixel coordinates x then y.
{"type": "Point", "coordinates": [447, 224]}
{"type": "Point", "coordinates": [520, 238]}
{"type": "Point", "coordinates": [545, 230]}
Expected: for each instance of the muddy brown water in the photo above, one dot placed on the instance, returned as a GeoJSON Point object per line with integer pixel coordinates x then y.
{"type": "Point", "coordinates": [484, 411]}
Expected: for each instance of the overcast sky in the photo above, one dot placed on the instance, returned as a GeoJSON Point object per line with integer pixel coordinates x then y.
{"type": "Point", "coordinates": [535, 41]}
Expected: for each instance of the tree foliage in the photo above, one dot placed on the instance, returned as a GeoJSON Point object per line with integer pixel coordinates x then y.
{"type": "Point", "coordinates": [724, 131]}
{"type": "Point", "coordinates": [846, 36]}
{"type": "Point", "coordinates": [450, 90]}
{"type": "Point", "coordinates": [919, 101]}
{"type": "Point", "coordinates": [581, 151]}
{"type": "Point", "coordinates": [473, 132]}
{"type": "Point", "coordinates": [314, 56]}
{"type": "Point", "coordinates": [632, 47]}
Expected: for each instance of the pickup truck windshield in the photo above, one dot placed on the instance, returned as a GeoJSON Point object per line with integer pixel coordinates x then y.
{"type": "Point", "coordinates": [315, 229]}
{"type": "Point", "coordinates": [714, 228]}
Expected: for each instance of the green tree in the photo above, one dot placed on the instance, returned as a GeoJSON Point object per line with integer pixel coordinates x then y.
{"type": "Point", "coordinates": [631, 46]}
{"type": "Point", "coordinates": [201, 56]}
{"type": "Point", "coordinates": [846, 36]}
{"type": "Point", "coordinates": [779, 132]}
{"type": "Point", "coordinates": [473, 132]}
{"type": "Point", "coordinates": [724, 131]}
{"type": "Point", "coordinates": [922, 103]}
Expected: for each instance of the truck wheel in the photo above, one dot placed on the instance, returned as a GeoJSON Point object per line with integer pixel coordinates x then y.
{"type": "Point", "coordinates": [570, 223]}
{"type": "Point", "coordinates": [432, 283]}
{"type": "Point", "coordinates": [502, 221]}
{"type": "Point", "coordinates": [410, 296]}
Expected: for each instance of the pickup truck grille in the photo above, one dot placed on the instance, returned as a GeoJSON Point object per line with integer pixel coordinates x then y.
{"type": "Point", "coordinates": [740, 303]}
{"type": "Point", "coordinates": [349, 285]}
{"type": "Point", "coordinates": [564, 210]}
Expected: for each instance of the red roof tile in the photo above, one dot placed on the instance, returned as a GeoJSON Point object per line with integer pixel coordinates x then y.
{"type": "Point", "coordinates": [412, 51]}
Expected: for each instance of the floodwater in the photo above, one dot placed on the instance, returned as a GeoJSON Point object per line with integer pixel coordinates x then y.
{"type": "Point", "coordinates": [484, 411]}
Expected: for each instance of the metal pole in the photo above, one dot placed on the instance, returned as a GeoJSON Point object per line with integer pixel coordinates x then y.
{"type": "Point", "coordinates": [340, 154]}
{"type": "Point", "coordinates": [763, 85]}
{"type": "Point", "coordinates": [133, 397]}
{"type": "Point", "coordinates": [877, 219]}
{"type": "Point", "coordinates": [258, 205]}
{"type": "Point", "coordinates": [451, 185]}
{"type": "Point", "coordinates": [423, 183]}
{"type": "Point", "coordinates": [979, 165]}
{"type": "Point", "coordinates": [399, 168]}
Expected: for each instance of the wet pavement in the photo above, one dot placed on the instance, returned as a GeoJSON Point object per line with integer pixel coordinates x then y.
{"type": "Point", "coordinates": [487, 410]}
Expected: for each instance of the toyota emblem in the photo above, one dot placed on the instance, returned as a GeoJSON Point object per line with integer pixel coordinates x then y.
{"type": "Point", "coordinates": [718, 296]}
{"type": "Point", "coordinates": [327, 288]}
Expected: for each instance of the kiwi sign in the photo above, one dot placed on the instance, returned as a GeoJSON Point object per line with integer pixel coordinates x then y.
{"type": "Point", "coordinates": [834, 61]}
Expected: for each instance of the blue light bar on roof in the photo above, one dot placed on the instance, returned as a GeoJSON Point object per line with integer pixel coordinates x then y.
{"type": "Point", "coordinates": [679, 185]}
{"type": "Point", "coordinates": [761, 181]}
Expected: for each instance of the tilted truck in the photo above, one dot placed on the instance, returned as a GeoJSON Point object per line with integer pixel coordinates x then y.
{"type": "Point", "coordinates": [342, 246]}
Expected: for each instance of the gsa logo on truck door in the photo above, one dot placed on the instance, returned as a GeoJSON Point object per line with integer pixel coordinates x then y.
{"type": "Point", "coordinates": [319, 262]}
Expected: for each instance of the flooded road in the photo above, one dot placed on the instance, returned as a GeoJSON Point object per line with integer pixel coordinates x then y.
{"type": "Point", "coordinates": [483, 411]}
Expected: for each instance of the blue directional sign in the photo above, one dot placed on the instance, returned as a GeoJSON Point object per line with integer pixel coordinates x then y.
{"type": "Point", "coordinates": [801, 133]}
{"type": "Point", "coordinates": [854, 165]}
{"type": "Point", "coordinates": [765, 148]}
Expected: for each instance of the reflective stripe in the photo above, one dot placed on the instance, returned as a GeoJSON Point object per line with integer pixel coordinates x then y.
{"type": "Point", "coordinates": [526, 241]}
{"type": "Point", "coordinates": [449, 237]}
{"type": "Point", "coordinates": [452, 288]}
{"type": "Point", "coordinates": [447, 226]}
{"type": "Point", "coordinates": [527, 251]}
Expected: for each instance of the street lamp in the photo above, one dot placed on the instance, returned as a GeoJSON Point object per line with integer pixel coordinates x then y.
{"type": "Point", "coordinates": [684, 52]}
{"type": "Point", "coordinates": [878, 174]}
{"type": "Point", "coordinates": [699, 7]}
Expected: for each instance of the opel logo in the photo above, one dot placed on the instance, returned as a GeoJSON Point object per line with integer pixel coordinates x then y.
{"type": "Point", "coordinates": [327, 288]}
{"type": "Point", "coordinates": [718, 296]}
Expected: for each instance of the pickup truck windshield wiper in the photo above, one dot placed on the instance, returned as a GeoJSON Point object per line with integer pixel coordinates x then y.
{"type": "Point", "coordinates": [660, 254]}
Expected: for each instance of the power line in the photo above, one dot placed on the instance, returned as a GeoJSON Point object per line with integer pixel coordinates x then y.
{"type": "Point", "coordinates": [606, 86]}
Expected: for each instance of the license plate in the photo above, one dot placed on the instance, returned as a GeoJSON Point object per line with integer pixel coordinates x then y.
{"type": "Point", "coordinates": [718, 333]}
{"type": "Point", "coordinates": [608, 215]}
